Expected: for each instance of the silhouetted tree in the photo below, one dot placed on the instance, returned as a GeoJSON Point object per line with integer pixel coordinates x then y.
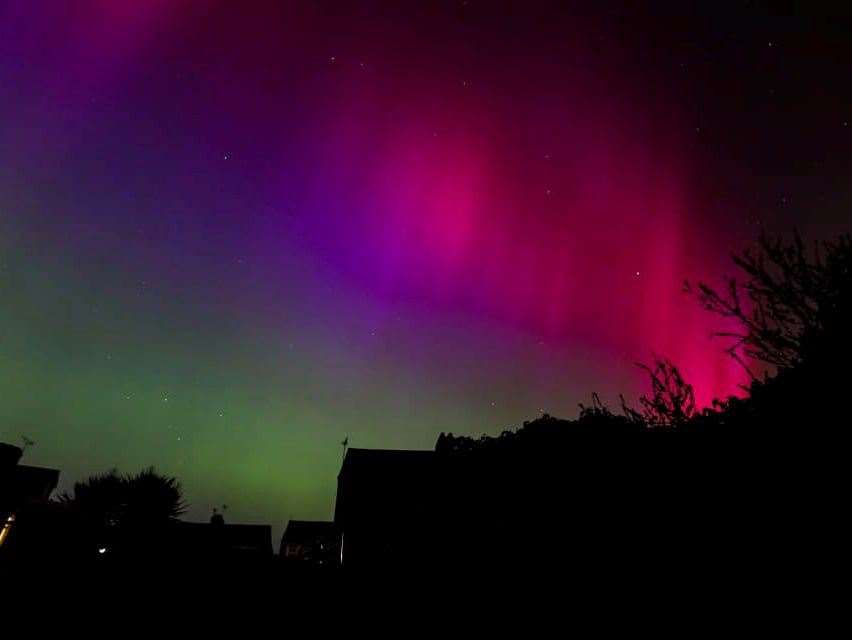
{"type": "Point", "coordinates": [790, 301]}
{"type": "Point", "coordinates": [100, 498]}
{"type": "Point", "coordinates": [624, 490]}
{"type": "Point", "coordinates": [153, 498]}
{"type": "Point", "coordinates": [793, 311]}
{"type": "Point", "coordinates": [116, 510]}
{"type": "Point", "coordinates": [671, 402]}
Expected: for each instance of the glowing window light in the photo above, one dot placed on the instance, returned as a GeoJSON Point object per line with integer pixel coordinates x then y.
{"type": "Point", "coordinates": [7, 527]}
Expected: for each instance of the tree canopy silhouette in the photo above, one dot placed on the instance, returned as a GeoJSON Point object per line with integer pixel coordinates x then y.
{"type": "Point", "coordinates": [790, 311]}
{"type": "Point", "coordinates": [116, 510]}
{"type": "Point", "coordinates": [146, 497]}
{"type": "Point", "coordinates": [790, 303]}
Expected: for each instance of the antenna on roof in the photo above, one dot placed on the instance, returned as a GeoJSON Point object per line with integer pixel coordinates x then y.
{"type": "Point", "coordinates": [345, 444]}
{"type": "Point", "coordinates": [218, 517]}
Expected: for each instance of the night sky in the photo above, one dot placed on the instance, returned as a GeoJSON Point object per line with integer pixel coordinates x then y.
{"type": "Point", "coordinates": [232, 233]}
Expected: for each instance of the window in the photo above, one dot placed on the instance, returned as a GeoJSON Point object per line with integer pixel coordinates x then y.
{"type": "Point", "coordinates": [7, 527]}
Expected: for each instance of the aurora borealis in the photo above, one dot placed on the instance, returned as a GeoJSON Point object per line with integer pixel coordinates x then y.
{"type": "Point", "coordinates": [234, 233]}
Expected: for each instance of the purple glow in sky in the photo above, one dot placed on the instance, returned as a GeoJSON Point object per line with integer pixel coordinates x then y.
{"type": "Point", "coordinates": [235, 232]}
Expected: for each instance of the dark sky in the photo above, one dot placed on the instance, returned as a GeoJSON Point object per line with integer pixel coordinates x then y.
{"type": "Point", "coordinates": [234, 232]}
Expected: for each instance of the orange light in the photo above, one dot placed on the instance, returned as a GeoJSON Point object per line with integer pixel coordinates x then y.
{"type": "Point", "coordinates": [7, 527]}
